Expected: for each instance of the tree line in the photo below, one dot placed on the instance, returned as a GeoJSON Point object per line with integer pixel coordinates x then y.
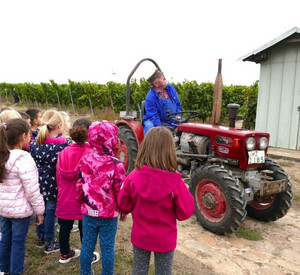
{"type": "Point", "coordinates": [194, 96]}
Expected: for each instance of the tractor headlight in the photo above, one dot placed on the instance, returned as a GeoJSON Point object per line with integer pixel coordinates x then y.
{"type": "Point", "coordinates": [263, 143]}
{"type": "Point", "coordinates": [250, 143]}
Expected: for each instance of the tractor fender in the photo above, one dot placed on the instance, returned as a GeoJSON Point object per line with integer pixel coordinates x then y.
{"type": "Point", "coordinates": [135, 126]}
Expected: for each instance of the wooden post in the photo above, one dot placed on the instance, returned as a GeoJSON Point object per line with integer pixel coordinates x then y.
{"type": "Point", "coordinates": [218, 91]}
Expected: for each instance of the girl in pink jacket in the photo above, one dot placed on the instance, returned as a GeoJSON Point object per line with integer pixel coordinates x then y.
{"type": "Point", "coordinates": [19, 194]}
{"type": "Point", "coordinates": [156, 196]}
{"type": "Point", "coordinates": [97, 190]}
{"type": "Point", "coordinates": [67, 169]}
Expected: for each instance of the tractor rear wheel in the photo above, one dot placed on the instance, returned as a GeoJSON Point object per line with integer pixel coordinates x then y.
{"type": "Point", "coordinates": [218, 197]}
{"type": "Point", "coordinates": [128, 148]}
{"type": "Point", "coordinates": [272, 207]}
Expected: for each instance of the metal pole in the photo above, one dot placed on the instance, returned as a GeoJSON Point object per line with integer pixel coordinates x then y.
{"type": "Point", "coordinates": [112, 106]}
{"type": "Point", "coordinates": [26, 98]}
{"type": "Point", "coordinates": [298, 129]}
{"type": "Point", "coordinates": [72, 101]}
{"type": "Point", "coordinates": [91, 105]}
{"type": "Point", "coordinates": [58, 99]}
{"type": "Point", "coordinates": [36, 104]}
{"type": "Point", "coordinates": [6, 96]}
{"type": "Point", "coordinates": [46, 99]}
{"type": "Point", "coordinates": [128, 81]}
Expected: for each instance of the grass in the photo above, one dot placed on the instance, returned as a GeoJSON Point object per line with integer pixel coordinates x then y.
{"type": "Point", "coordinates": [37, 262]}
{"type": "Point", "coordinates": [248, 234]}
{"type": "Point", "coordinates": [297, 197]}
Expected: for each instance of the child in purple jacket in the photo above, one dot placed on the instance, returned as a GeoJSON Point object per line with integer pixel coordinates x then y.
{"type": "Point", "coordinates": [101, 177]}
{"type": "Point", "coordinates": [156, 196]}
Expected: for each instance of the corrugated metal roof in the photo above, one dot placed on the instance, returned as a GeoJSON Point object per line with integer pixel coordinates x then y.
{"type": "Point", "coordinates": [259, 54]}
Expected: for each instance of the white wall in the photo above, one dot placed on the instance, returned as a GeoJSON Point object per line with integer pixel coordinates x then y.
{"type": "Point", "coordinates": [279, 95]}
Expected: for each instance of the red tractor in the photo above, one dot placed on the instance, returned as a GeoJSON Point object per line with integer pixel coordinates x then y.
{"type": "Point", "coordinates": [226, 168]}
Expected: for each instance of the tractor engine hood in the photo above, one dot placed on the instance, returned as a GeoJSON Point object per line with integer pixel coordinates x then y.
{"type": "Point", "coordinates": [227, 142]}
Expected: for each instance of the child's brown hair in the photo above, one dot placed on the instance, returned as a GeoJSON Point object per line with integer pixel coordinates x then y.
{"type": "Point", "coordinates": [33, 113]}
{"type": "Point", "coordinates": [79, 131]}
{"type": "Point", "coordinates": [157, 150]}
{"type": "Point", "coordinates": [10, 133]}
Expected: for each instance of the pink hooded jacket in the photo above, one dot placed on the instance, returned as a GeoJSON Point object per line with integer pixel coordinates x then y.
{"type": "Point", "coordinates": [156, 198]}
{"type": "Point", "coordinates": [20, 195]}
{"type": "Point", "coordinates": [101, 173]}
{"type": "Point", "coordinates": [67, 170]}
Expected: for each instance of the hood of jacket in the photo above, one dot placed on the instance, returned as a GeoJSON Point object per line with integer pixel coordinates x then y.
{"type": "Point", "coordinates": [14, 155]}
{"type": "Point", "coordinates": [103, 137]}
{"type": "Point", "coordinates": [155, 184]}
{"type": "Point", "coordinates": [67, 174]}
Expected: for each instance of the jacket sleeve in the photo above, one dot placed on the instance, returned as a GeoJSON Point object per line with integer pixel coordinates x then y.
{"type": "Point", "coordinates": [58, 170]}
{"type": "Point", "coordinates": [119, 177]}
{"type": "Point", "coordinates": [79, 190]}
{"type": "Point", "coordinates": [30, 180]}
{"type": "Point", "coordinates": [184, 202]}
{"type": "Point", "coordinates": [176, 99]}
{"type": "Point", "coordinates": [151, 109]}
{"type": "Point", "coordinates": [125, 196]}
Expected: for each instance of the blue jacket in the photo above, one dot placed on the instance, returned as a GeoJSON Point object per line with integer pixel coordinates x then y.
{"type": "Point", "coordinates": [153, 109]}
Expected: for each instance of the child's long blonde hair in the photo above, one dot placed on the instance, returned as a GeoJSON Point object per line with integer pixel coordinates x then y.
{"type": "Point", "coordinates": [51, 119]}
{"type": "Point", "coordinates": [157, 150]}
{"type": "Point", "coordinates": [8, 114]}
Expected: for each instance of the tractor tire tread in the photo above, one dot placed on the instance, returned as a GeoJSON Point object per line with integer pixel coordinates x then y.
{"type": "Point", "coordinates": [234, 198]}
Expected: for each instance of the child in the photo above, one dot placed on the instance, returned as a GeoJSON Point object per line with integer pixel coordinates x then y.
{"type": "Point", "coordinates": [19, 194]}
{"type": "Point", "coordinates": [156, 195]}
{"type": "Point", "coordinates": [8, 114]}
{"type": "Point", "coordinates": [68, 209]}
{"type": "Point", "coordinates": [98, 188]}
{"type": "Point", "coordinates": [35, 120]}
{"type": "Point", "coordinates": [44, 151]}
{"type": "Point", "coordinates": [67, 122]}
{"type": "Point", "coordinates": [26, 117]}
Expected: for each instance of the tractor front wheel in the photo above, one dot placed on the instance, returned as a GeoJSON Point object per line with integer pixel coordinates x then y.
{"type": "Point", "coordinates": [272, 207]}
{"type": "Point", "coordinates": [218, 197]}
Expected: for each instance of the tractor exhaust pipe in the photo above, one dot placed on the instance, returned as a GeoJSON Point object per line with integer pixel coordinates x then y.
{"type": "Point", "coordinates": [233, 110]}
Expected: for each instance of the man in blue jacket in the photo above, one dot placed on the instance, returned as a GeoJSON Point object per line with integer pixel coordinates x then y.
{"type": "Point", "coordinates": [160, 100]}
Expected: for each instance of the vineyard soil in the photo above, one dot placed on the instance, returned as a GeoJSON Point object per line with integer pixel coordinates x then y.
{"type": "Point", "coordinates": [199, 251]}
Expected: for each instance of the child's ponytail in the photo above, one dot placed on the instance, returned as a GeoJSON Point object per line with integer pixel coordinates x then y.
{"type": "Point", "coordinates": [42, 135]}
{"type": "Point", "coordinates": [4, 151]}
{"type": "Point", "coordinates": [51, 119]}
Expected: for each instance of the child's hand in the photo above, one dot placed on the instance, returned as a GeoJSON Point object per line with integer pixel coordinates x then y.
{"type": "Point", "coordinates": [40, 219]}
{"type": "Point", "coordinates": [122, 216]}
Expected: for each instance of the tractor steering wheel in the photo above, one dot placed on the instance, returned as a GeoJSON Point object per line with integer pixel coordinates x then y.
{"type": "Point", "coordinates": [191, 114]}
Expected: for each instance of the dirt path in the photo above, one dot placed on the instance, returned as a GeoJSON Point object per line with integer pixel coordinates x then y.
{"type": "Point", "coordinates": [277, 253]}
{"type": "Point", "coordinates": [202, 252]}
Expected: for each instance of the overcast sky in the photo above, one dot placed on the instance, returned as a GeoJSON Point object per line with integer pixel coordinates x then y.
{"type": "Point", "coordinates": [100, 41]}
